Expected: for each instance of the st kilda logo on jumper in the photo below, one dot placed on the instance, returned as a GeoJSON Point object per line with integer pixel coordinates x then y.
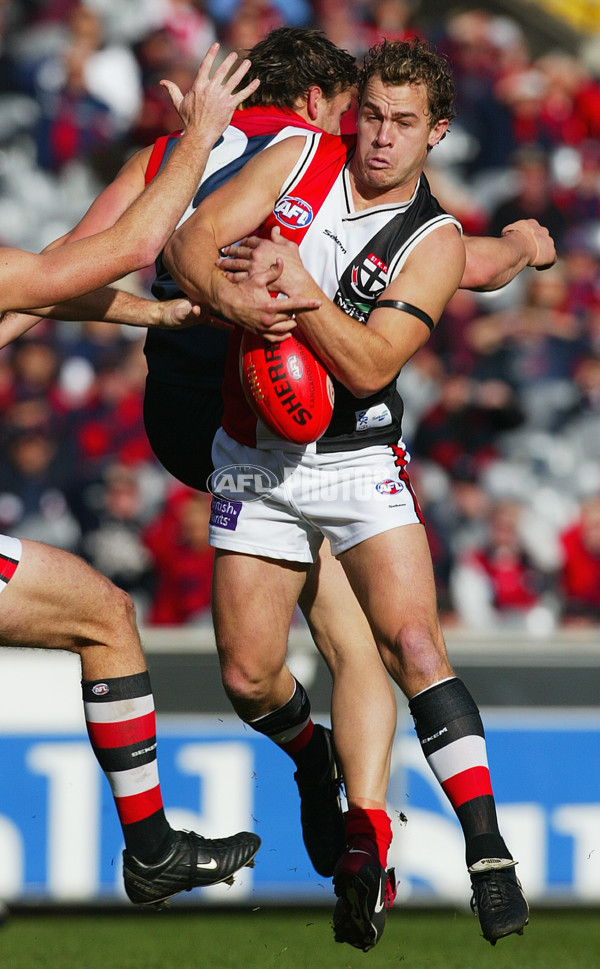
{"type": "Point", "coordinates": [369, 278]}
{"type": "Point", "coordinates": [366, 277]}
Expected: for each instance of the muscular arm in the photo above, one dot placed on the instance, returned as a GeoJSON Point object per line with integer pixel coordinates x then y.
{"type": "Point", "coordinates": [28, 280]}
{"type": "Point", "coordinates": [363, 358]}
{"type": "Point", "coordinates": [493, 262]}
{"type": "Point", "coordinates": [104, 211]}
{"type": "Point", "coordinates": [366, 358]}
{"type": "Point", "coordinates": [234, 210]}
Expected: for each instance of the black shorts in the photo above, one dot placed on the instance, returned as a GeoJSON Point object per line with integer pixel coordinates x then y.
{"type": "Point", "coordinates": [181, 423]}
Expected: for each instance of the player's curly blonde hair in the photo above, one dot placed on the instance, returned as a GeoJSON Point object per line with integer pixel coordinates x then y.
{"type": "Point", "coordinates": [412, 62]}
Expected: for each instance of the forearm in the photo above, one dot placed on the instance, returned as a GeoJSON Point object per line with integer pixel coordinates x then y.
{"type": "Point", "coordinates": [109, 305]}
{"type": "Point", "coordinates": [360, 358]}
{"type": "Point", "coordinates": [147, 224]}
{"type": "Point", "coordinates": [493, 262]}
{"type": "Point", "coordinates": [191, 263]}
{"type": "Point", "coordinates": [14, 324]}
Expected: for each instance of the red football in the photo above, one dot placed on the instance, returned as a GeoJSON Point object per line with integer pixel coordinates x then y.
{"type": "Point", "coordinates": [287, 386]}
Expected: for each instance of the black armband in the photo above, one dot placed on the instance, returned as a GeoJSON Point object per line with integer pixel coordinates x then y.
{"type": "Point", "coordinates": [398, 304]}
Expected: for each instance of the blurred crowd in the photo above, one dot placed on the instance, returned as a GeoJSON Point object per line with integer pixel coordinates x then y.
{"type": "Point", "coordinates": [502, 405]}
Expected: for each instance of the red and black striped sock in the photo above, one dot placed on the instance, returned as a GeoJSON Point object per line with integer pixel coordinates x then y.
{"type": "Point", "coordinates": [452, 737]}
{"type": "Point", "coordinates": [121, 725]}
{"type": "Point", "coordinates": [291, 728]}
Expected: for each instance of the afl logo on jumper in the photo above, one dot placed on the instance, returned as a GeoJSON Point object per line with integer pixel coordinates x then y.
{"type": "Point", "coordinates": [294, 213]}
{"type": "Point", "coordinates": [370, 278]}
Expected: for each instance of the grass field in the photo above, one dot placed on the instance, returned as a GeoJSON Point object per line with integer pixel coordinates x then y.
{"type": "Point", "coordinates": [299, 939]}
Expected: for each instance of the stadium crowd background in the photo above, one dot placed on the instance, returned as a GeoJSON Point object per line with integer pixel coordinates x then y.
{"type": "Point", "coordinates": [502, 405]}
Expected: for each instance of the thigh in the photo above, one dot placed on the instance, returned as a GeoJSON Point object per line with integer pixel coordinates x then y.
{"type": "Point", "coordinates": [181, 423]}
{"type": "Point", "coordinates": [392, 576]}
{"type": "Point", "coordinates": [253, 604]}
{"type": "Point", "coordinates": [56, 600]}
{"type": "Point", "coordinates": [335, 618]}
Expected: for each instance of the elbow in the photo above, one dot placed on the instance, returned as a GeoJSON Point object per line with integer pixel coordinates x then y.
{"type": "Point", "coordinates": [168, 253]}
{"type": "Point", "coordinates": [138, 255]}
{"type": "Point", "coordinates": [365, 385]}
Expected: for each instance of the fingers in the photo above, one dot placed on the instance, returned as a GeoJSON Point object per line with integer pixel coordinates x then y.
{"type": "Point", "coordinates": [272, 274]}
{"type": "Point", "coordinates": [202, 74]}
{"type": "Point", "coordinates": [209, 59]}
{"type": "Point", "coordinates": [174, 93]}
{"type": "Point", "coordinates": [230, 266]}
{"type": "Point", "coordinates": [222, 77]}
{"type": "Point", "coordinates": [184, 309]}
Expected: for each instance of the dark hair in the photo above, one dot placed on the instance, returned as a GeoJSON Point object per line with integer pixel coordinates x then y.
{"type": "Point", "coordinates": [290, 60]}
{"type": "Point", "coordinates": [412, 62]}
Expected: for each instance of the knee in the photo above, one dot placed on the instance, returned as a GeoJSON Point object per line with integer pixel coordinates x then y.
{"type": "Point", "coordinates": [247, 684]}
{"type": "Point", "coordinates": [416, 657]}
{"type": "Point", "coordinates": [115, 613]}
{"type": "Point", "coordinates": [242, 682]}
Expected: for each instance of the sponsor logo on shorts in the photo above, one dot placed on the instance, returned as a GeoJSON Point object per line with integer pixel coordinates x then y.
{"type": "Point", "coordinates": [293, 212]}
{"type": "Point", "coordinates": [242, 482]}
{"type": "Point", "coordinates": [225, 513]}
{"type": "Point", "coordinates": [100, 689]}
{"type": "Point", "coordinates": [389, 487]}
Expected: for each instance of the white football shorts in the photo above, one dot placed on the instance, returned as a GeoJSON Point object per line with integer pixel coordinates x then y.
{"type": "Point", "coordinates": [280, 503]}
{"type": "Point", "coordinates": [10, 556]}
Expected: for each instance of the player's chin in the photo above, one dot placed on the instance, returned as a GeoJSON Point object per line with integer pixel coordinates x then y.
{"type": "Point", "coordinates": [379, 176]}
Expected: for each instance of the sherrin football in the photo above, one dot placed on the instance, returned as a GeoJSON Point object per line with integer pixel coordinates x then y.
{"type": "Point", "coordinates": [287, 386]}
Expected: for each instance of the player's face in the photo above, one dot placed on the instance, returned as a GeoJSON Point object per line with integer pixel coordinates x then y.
{"type": "Point", "coordinates": [394, 134]}
{"type": "Point", "coordinates": [331, 111]}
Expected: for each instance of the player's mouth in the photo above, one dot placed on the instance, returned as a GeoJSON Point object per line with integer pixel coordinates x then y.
{"type": "Point", "coordinates": [378, 162]}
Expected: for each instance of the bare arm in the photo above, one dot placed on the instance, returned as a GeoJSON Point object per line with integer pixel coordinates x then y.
{"type": "Point", "coordinates": [104, 211]}
{"type": "Point", "coordinates": [494, 262]}
{"type": "Point", "coordinates": [192, 251]}
{"type": "Point", "coordinates": [491, 262]}
{"type": "Point", "coordinates": [366, 358]}
{"type": "Point", "coordinates": [111, 305]}
{"type": "Point", "coordinates": [29, 280]}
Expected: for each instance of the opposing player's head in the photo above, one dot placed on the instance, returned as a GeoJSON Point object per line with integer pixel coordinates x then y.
{"type": "Point", "coordinates": [300, 69]}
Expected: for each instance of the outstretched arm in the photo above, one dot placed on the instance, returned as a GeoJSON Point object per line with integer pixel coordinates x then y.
{"type": "Point", "coordinates": [494, 262]}
{"type": "Point", "coordinates": [28, 280]}
{"type": "Point", "coordinates": [104, 211]}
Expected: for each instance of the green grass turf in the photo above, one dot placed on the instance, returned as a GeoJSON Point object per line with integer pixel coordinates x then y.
{"type": "Point", "coordinates": [300, 939]}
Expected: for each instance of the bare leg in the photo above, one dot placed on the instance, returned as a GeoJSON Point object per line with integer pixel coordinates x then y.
{"type": "Point", "coordinates": [403, 615]}
{"type": "Point", "coordinates": [55, 600]}
{"type": "Point", "coordinates": [401, 605]}
{"type": "Point", "coordinates": [363, 703]}
{"type": "Point", "coordinates": [253, 605]}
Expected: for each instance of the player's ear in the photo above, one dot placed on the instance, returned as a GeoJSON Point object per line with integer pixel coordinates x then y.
{"type": "Point", "coordinates": [313, 102]}
{"type": "Point", "coordinates": [437, 133]}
